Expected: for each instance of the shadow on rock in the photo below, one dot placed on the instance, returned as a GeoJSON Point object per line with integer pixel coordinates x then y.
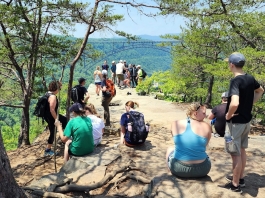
{"type": "Point", "coordinates": [253, 182]}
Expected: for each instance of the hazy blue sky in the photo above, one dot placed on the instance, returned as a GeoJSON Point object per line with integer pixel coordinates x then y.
{"type": "Point", "coordinates": [137, 24]}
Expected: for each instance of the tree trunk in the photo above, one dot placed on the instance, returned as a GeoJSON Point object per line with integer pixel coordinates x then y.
{"type": "Point", "coordinates": [208, 99]}
{"type": "Point", "coordinates": [82, 48]}
{"type": "Point", "coordinates": [8, 185]}
{"type": "Point", "coordinates": [23, 138]}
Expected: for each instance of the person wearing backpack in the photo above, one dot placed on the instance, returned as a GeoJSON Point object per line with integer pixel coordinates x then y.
{"type": "Point", "coordinates": [134, 131]}
{"type": "Point", "coordinates": [107, 96]}
{"type": "Point", "coordinates": [79, 92]}
{"type": "Point", "coordinates": [140, 74]}
{"type": "Point", "coordinates": [51, 114]}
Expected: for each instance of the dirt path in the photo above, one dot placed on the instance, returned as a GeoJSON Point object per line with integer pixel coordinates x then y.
{"type": "Point", "coordinates": [28, 163]}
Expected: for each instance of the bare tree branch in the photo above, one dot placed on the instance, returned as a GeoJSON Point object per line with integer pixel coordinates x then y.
{"type": "Point", "coordinates": [131, 3]}
{"type": "Point", "coordinates": [10, 105]}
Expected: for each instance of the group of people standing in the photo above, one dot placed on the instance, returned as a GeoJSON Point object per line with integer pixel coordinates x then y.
{"type": "Point", "coordinates": [122, 74]}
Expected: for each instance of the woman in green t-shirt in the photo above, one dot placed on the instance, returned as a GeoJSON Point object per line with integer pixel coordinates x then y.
{"type": "Point", "coordinates": [78, 134]}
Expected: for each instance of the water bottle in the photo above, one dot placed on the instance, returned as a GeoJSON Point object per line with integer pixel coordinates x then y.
{"type": "Point", "coordinates": [227, 137]}
{"type": "Point", "coordinates": [147, 127]}
{"type": "Point", "coordinates": [130, 127]}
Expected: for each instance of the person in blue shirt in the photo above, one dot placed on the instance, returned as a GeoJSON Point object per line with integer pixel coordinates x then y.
{"type": "Point", "coordinates": [189, 158]}
{"type": "Point", "coordinates": [113, 72]}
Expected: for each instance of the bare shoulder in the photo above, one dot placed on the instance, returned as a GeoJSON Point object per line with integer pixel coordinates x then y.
{"type": "Point", "coordinates": [207, 127]}
{"type": "Point", "coordinates": [178, 122]}
{"type": "Point", "coordinates": [178, 126]}
{"type": "Point", "coordinates": [52, 98]}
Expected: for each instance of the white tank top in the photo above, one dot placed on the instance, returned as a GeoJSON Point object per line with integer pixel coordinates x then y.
{"type": "Point", "coordinates": [97, 78]}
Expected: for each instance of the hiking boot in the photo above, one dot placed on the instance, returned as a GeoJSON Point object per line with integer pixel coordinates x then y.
{"type": "Point", "coordinates": [50, 153]}
{"type": "Point", "coordinates": [241, 181]}
{"type": "Point", "coordinates": [231, 187]}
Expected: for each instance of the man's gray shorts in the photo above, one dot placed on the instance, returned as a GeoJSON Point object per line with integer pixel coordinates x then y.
{"type": "Point", "coordinates": [181, 169]}
{"type": "Point", "coordinates": [240, 134]}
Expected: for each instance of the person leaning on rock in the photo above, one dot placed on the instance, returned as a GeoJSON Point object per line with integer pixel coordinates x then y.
{"type": "Point", "coordinates": [78, 134]}
{"type": "Point", "coordinates": [191, 136]}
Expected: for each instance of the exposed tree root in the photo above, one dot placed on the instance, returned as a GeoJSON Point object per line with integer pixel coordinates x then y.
{"type": "Point", "coordinates": [49, 194]}
{"type": "Point", "coordinates": [107, 178]}
{"type": "Point", "coordinates": [131, 176]}
{"type": "Point", "coordinates": [26, 167]}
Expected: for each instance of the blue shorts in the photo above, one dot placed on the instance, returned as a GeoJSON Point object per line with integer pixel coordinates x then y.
{"type": "Point", "coordinates": [97, 83]}
{"type": "Point", "coordinates": [181, 169]}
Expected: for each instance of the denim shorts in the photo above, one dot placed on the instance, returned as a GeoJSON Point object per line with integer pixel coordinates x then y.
{"type": "Point", "coordinates": [181, 169]}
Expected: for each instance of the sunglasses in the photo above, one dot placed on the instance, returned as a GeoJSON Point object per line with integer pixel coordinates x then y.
{"type": "Point", "coordinates": [198, 107]}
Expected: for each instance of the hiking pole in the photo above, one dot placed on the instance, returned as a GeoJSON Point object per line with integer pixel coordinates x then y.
{"type": "Point", "coordinates": [55, 128]}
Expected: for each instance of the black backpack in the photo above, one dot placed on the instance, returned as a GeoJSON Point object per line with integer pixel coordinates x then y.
{"type": "Point", "coordinates": [42, 107]}
{"type": "Point", "coordinates": [139, 133]}
{"type": "Point", "coordinates": [144, 74]}
{"type": "Point", "coordinates": [75, 93]}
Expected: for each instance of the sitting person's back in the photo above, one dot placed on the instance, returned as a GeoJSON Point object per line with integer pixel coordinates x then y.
{"type": "Point", "coordinates": [188, 158]}
{"type": "Point", "coordinates": [77, 136]}
{"type": "Point", "coordinates": [97, 123]}
{"type": "Point", "coordinates": [134, 131]}
{"type": "Point", "coordinates": [218, 113]}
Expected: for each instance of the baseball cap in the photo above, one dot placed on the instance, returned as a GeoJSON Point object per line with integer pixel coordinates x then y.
{"type": "Point", "coordinates": [80, 80]}
{"type": "Point", "coordinates": [113, 62]}
{"type": "Point", "coordinates": [138, 66]}
{"type": "Point", "coordinates": [225, 95]}
{"type": "Point", "coordinates": [121, 61]}
{"type": "Point", "coordinates": [104, 72]}
{"type": "Point", "coordinates": [237, 59]}
{"type": "Point", "coordinates": [76, 107]}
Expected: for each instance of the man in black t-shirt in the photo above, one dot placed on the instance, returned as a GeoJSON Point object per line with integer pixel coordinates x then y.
{"type": "Point", "coordinates": [244, 90]}
{"type": "Point", "coordinates": [83, 95]}
{"type": "Point", "coordinates": [218, 113]}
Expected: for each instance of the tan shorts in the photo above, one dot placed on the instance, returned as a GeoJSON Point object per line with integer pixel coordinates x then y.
{"type": "Point", "coordinates": [120, 76]}
{"type": "Point", "coordinates": [240, 134]}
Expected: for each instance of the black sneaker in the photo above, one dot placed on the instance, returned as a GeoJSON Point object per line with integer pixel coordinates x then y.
{"type": "Point", "coordinates": [241, 181]}
{"type": "Point", "coordinates": [231, 187]}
